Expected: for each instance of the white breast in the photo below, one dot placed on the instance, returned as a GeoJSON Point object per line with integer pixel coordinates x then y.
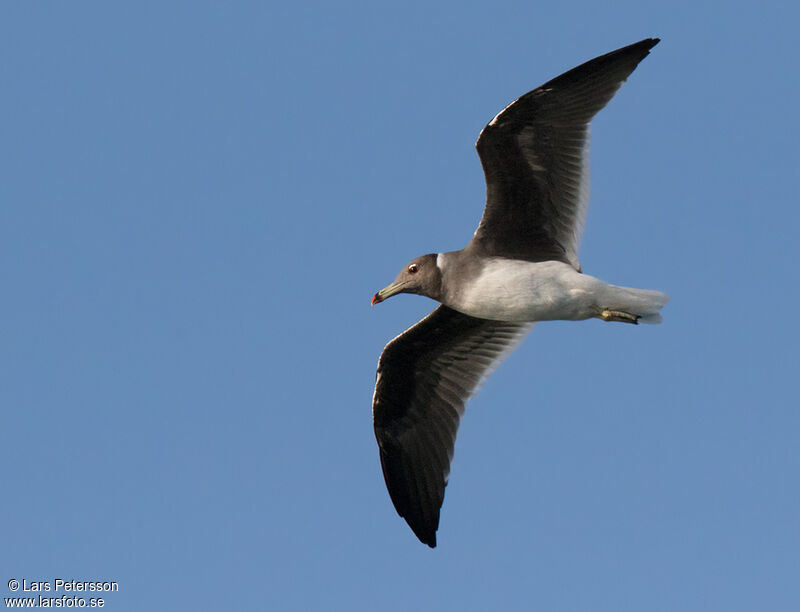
{"type": "Point", "coordinates": [514, 290]}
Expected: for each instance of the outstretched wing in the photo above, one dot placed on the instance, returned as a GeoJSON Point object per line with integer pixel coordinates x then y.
{"type": "Point", "coordinates": [425, 377]}
{"type": "Point", "coordinates": [535, 157]}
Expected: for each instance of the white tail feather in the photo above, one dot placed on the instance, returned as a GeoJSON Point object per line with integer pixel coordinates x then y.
{"type": "Point", "coordinates": [644, 303]}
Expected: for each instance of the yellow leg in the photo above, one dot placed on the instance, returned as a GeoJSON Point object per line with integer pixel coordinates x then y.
{"type": "Point", "coordinates": [617, 315]}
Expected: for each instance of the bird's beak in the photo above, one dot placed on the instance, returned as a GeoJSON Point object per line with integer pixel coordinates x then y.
{"type": "Point", "coordinates": [387, 292]}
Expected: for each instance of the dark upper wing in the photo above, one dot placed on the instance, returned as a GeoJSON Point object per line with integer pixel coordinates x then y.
{"type": "Point", "coordinates": [535, 159]}
{"type": "Point", "coordinates": [425, 376]}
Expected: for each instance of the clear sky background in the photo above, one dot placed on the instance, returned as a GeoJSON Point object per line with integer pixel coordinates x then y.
{"type": "Point", "coordinates": [198, 200]}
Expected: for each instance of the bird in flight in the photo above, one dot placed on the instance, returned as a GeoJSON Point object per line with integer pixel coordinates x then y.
{"type": "Point", "coordinates": [521, 266]}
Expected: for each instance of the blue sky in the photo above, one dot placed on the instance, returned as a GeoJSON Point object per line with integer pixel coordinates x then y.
{"type": "Point", "coordinates": [198, 200]}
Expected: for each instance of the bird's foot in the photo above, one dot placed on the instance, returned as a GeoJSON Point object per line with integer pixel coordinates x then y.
{"type": "Point", "coordinates": [618, 315]}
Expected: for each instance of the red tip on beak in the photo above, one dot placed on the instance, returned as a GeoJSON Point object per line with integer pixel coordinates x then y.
{"type": "Point", "coordinates": [376, 299]}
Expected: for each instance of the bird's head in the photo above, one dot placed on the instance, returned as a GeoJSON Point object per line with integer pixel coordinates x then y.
{"type": "Point", "coordinates": [421, 276]}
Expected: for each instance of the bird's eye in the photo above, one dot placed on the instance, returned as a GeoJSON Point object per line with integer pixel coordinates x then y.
{"type": "Point", "coordinates": [412, 269]}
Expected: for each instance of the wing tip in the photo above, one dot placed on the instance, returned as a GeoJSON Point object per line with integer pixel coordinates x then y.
{"type": "Point", "coordinates": [424, 530]}
{"type": "Point", "coordinates": [638, 50]}
{"type": "Point", "coordinates": [648, 44]}
{"type": "Point", "coordinates": [424, 535]}
{"type": "Point", "coordinates": [423, 521]}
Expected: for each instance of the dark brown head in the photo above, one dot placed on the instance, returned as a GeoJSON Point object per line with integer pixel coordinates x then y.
{"type": "Point", "coordinates": [421, 276]}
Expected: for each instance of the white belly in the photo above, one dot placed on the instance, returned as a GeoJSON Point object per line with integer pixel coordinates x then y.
{"type": "Point", "coordinates": [511, 290]}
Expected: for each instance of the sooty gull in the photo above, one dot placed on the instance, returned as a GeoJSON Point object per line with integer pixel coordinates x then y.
{"type": "Point", "coordinates": [521, 266]}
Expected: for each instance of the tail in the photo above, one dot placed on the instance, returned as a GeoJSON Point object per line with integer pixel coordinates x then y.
{"type": "Point", "coordinates": [643, 303]}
